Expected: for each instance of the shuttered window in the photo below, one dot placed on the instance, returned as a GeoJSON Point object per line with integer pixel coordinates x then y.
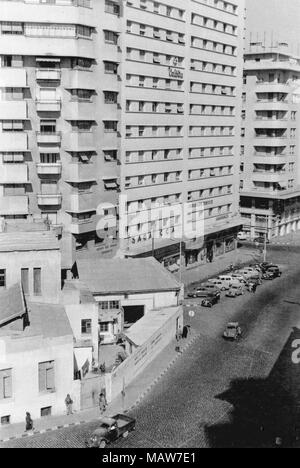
{"type": "Point", "coordinates": [25, 280]}
{"type": "Point", "coordinates": [37, 281]}
{"type": "Point", "coordinates": [46, 376]}
{"type": "Point", "coordinates": [5, 383]}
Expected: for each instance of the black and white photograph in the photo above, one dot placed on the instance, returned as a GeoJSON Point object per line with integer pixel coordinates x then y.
{"type": "Point", "coordinates": [149, 226]}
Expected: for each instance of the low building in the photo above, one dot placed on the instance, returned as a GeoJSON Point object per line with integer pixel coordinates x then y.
{"type": "Point", "coordinates": [82, 312]}
{"type": "Point", "coordinates": [134, 286]}
{"type": "Point", "coordinates": [34, 259]}
{"type": "Point", "coordinates": [36, 358]}
{"type": "Point", "coordinates": [143, 342]}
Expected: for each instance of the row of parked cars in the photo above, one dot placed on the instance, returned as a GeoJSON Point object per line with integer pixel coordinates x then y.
{"type": "Point", "coordinates": [235, 284]}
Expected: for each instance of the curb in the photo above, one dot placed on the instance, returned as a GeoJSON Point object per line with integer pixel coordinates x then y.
{"type": "Point", "coordinates": [137, 402]}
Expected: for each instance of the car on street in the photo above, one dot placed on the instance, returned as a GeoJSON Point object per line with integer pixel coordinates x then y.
{"type": "Point", "coordinates": [242, 236]}
{"type": "Point", "coordinates": [235, 290]}
{"type": "Point", "coordinates": [217, 283]}
{"type": "Point", "coordinates": [238, 277]}
{"type": "Point", "coordinates": [261, 240]}
{"type": "Point", "coordinates": [249, 274]}
{"type": "Point", "coordinates": [275, 270]}
{"type": "Point", "coordinates": [265, 265]}
{"type": "Point", "coordinates": [233, 331]}
{"type": "Point", "coordinates": [268, 275]}
{"type": "Point", "coordinates": [210, 300]}
{"type": "Point", "coordinates": [110, 430]}
{"type": "Point", "coordinates": [226, 280]}
{"type": "Point", "coordinates": [203, 291]}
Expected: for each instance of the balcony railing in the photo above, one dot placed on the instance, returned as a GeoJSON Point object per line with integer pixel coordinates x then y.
{"type": "Point", "coordinates": [48, 168]}
{"type": "Point", "coordinates": [48, 105]}
{"type": "Point", "coordinates": [48, 74]}
{"type": "Point", "coordinates": [49, 137]}
{"type": "Point", "coordinates": [49, 199]}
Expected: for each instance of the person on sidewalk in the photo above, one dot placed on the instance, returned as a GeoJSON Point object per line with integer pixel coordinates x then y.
{"type": "Point", "coordinates": [254, 288]}
{"type": "Point", "coordinates": [102, 403]}
{"type": "Point", "coordinates": [178, 339]}
{"type": "Point", "coordinates": [29, 422]}
{"type": "Point", "coordinates": [69, 405]}
{"type": "Point", "coordinates": [185, 331]}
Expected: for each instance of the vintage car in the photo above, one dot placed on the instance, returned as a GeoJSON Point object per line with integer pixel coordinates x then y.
{"type": "Point", "coordinates": [210, 300]}
{"type": "Point", "coordinates": [236, 289]}
{"type": "Point", "coordinates": [111, 429]}
{"type": "Point", "coordinates": [204, 290]}
{"type": "Point", "coordinates": [275, 270]}
{"type": "Point", "coordinates": [233, 331]}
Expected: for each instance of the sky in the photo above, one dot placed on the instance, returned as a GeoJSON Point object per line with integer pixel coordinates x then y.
{"type": "Point", "coordinates": [278, 17]}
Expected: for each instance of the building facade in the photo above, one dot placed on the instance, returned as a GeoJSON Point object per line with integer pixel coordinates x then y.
{"type": "Point", "coordinates": [270, 183]}
{"type": "Point", "coordinates": [138, 98]}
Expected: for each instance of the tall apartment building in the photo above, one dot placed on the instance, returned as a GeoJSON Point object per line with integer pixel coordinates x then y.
{"type": "Point", "coordinates": [270, 170]}
{"type": "Point", "coordinates": [140, 98]}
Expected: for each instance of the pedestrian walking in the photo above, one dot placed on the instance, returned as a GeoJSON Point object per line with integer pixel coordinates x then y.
{"type": "Point", "coordinates": [254, 288]}
{"type": "Point", "coordinates": [185, 331]}
{"type": "Point", "coordinates": [29, 422]}
{"type": "Point", "coordinates": [102, 403]}
{"type": "Point", "coordinates": [69, 404]}
{"type": "Point", "coordinates": [178, 338]}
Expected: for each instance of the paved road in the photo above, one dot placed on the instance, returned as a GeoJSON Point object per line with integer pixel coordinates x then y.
{"type": "Point", "coordinates": [218, 393]}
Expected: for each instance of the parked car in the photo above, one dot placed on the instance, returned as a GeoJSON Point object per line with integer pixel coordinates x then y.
{"type": "Point", "coordinates": [242, 236]}
{"type": "Point", "coordinates": [203, 291]}
{"type": "Point", "coordinates": [226, 280]}
{"type": "Point", "coordinates": [233, 331]}
{"type": "Point", "coordinates": [236, 289]}
{"type": "Point", "coordinates": [275, 270]}
{"type": "Point", "coordinates": [217, 283]}
{"type": "Point", "coordinates": [210, 300]}
{"type": "Point", "coordinates": [261, 240]}
{"type": "Point", "coordinates": [111, 429]}
{"type": "Point", "coordinates": [249, 274]}
{"type": "Point", "coordinates": [238, 277]}
{"type": "Point", "coordinates": [268, 275]}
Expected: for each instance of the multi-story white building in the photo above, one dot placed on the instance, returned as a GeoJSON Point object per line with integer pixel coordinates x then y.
{"type": "Point", "coordinates": [140, 97]}
{"type": "Point", "coordinates": [270, 183]}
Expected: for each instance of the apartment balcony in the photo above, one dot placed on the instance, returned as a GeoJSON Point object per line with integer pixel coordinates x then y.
{"type": "Point", "coordinates": [266, 65]}
{"type": "Point", "coordinates": [14, 205]}
{"type": "Point", "coordinates": [271, 141]}
{"type": "Point", "coordinates": [268, 176]}
{"type": "Point", "coordinates": [48, 106]}
{"type": "Point", "coordinates": [13, 77]}
{"type": "Point", "coordinates": [81, 202]}
{"type": "Point", "coordinates": [265, 87]}
{"type": "Point", "coordinates": [271, 105]}
{"type": "Point", "coordinates": [80, 79]}
{"type": "Point", "coordinates": [19, 142]}
{"type": "Point", "coordinates": [80, 142]}
{"type": "Point", "coordinates": [51, 169]}
{"type": "Point", "coordinates": [80, 173]}
{"type": "Point", "coordinates": [49, 138]}
{"type": "Point", "coordinates": [271, 123]}
{"type": "Point", "coordinates": [48, 74]}
{"type": "Point", "coordinates": [53, 199]}
{"type": "Point", "coordinates": [14, 174]}
{"type": "Point", "coordinates": [13, 110]}
{"type": "Point", "coordinates": [79, 110]}
{"type": "Point", "coordinates": [82, 226]}
{"type": "Point", "coordinates": [267, 159]}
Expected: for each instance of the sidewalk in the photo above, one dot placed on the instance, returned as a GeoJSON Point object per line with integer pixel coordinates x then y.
{"type": "Point", "coordinates": [219, 264]}
{"type": "Point", "coordinates": [134, 393]}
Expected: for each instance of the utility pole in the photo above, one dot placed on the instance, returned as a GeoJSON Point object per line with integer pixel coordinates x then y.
{"type": "Point", "coordinates": [265, 246]}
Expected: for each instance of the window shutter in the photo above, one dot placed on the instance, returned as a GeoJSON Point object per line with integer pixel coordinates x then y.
{"type": "Point", "coordinates": [50, 377]}
{"type": "Point", "coordinates": [42, 377]}
{"type": "Point", "coordinates": [7, 385]}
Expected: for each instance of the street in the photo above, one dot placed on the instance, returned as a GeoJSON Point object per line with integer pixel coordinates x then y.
{"type": "Point", "coordinates": [218, 393]}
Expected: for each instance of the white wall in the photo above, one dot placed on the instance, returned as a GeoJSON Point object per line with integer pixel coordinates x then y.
{"type": "Point", "coordinates": [23, 357]}
{"type": "Point", "coordinates": [48, 260]}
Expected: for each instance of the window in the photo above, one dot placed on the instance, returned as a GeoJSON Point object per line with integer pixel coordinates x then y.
{"type": "Point", "coordinates": [5, 383]}
{"type": "Point", "coordinates": [49, 158]}
{"type": "Point", "coordinates": [111, 37]}
{"type": "Point", "coordinates": [112, 7]}
{"type": "Point", "coordinates": [37, 281]}
{"type": "Point", "coordinates": [114, 304]}
{"type": "Point", "coordinates": [46, 376]}
{"type": "Point", "coordinates": [110, 97]}
{"type": "Point", "coordinates": [5, 420]}
{"type": "Point", "coordinates": [25, 280]}
{"type": "Point", "coordinates": [46, 411]}
{"type": "Point", "coordinates": [86, 326]}
{"type": "Point", "coordinates": [110, 126]}
{"type": "Point", "coordinates": [111, 67]}
{"type": "Point", "coordinates": [2, 278]}
{"type": "Point", "coordinates": [104, 326]}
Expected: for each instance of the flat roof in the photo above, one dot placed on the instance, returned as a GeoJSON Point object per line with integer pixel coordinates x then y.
{"type": "Point", "coordinates": [144, 328]}
{"type": "Point", "coordinates": [26, 241]}
{"type": "Point", "coordinates": [12, 304]}
{"type": "Point", "coordinates": [48, 320]}
{"type": "Point", "coordinates": [119, 275]}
